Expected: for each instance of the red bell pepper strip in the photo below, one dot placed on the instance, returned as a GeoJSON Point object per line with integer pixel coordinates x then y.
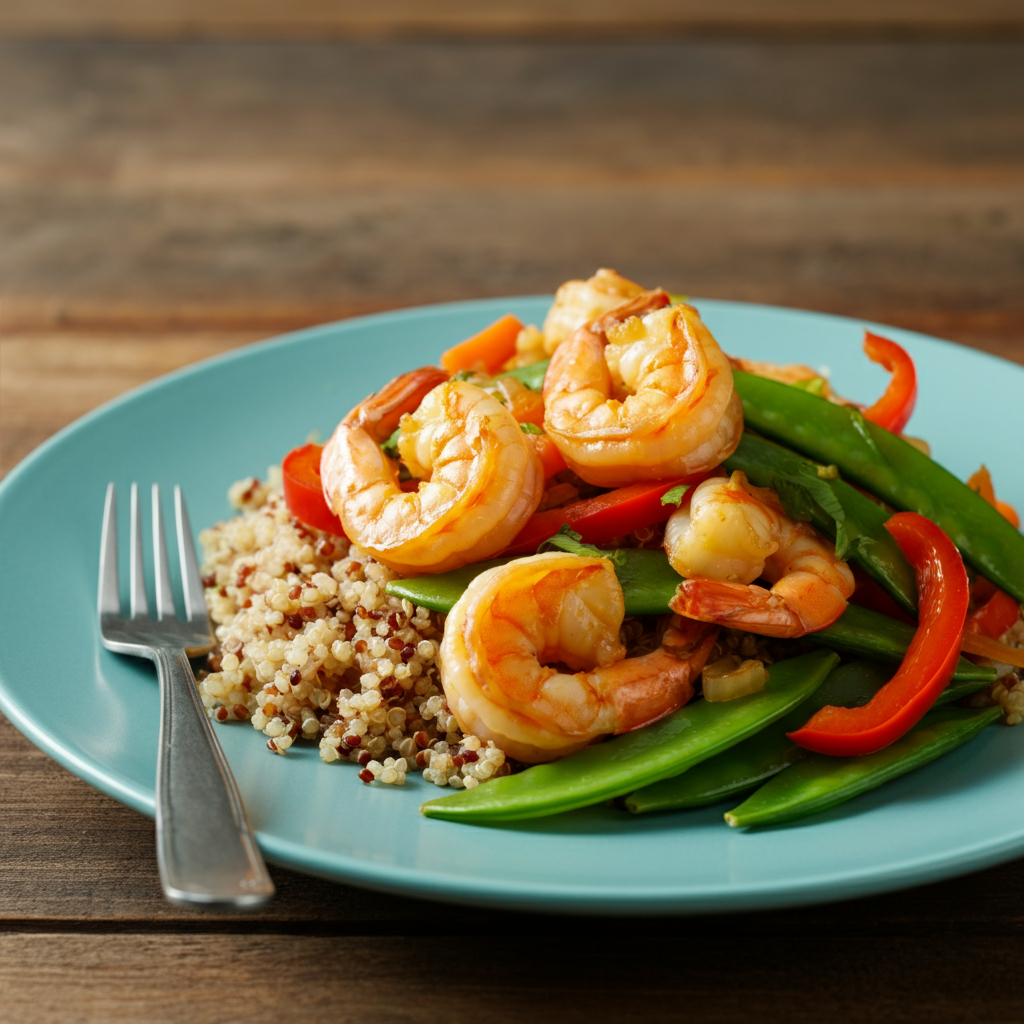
{"type": "Point", "coordinates": [303, 490]}
{"type": "Point", "coordinates": [893, 409]}
{"type": "Point", "coordinates": [995, 616]}
{"type": "Point", "coordinates": [598, 520]}
{"type": "Point", "coordinates": [548, 453]}
{"type": "Point", "coordinates": [930, 659]}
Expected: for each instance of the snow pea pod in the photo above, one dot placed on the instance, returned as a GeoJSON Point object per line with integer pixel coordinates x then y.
{"type": "Point", "coordinates": [755, 760]}
{"type": "Point", "coordinates": [606, 770]}
{"type": "Point", "coordinates": [766, 753]}
{"type": "Point", "coordinates": [834, 508]}
{"type": "Point", "coordinates": [648, 581]}
{"type": "Point", "coordinates": [889, 468]}
{"type": "Point", "coordinates": [873, 635]}
{"type": "Point", "coordinates": [818, 782]}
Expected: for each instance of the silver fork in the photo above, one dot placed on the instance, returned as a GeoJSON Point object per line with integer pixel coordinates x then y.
{"type": "Point", "coordinates": [204, 843]}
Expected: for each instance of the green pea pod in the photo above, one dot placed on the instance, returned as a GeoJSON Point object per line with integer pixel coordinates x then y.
{"type": "Point", "coordinates": [648, 584]}
{"type": "Point", "coordinates": [889, 468]}
{"type": "Point", "coordinates": [833, 507]}
{"type": "Point", "coordinates": [440, 591]}
{"type": "Point", "coordinates": [766, 753]}
{"type": "Point", "coordinates": [755, 760]}
{"type": "Point", "coordinates": [819, 782]}
{"type": "Point", "coordinates": [606, 770]}
{"type": "Point", "coordinates": [872, 635]}
{"type": "Point", "coordinates": [648, 581]}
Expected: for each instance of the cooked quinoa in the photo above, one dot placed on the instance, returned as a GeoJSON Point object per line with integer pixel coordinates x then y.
{"type": "Point", "coordinates": [309, 646]}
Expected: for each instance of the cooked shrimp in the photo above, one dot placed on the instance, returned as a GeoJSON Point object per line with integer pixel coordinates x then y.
{"type": "Point", "coordinates": [531, 658]}
{"type": "Point", "coordinates": [642, 393]}
{"type": "Point", "coordinates": [479, 479]}
{"type": "Point", "coordinates": [578, 302]}
{"type": "Point", "coordinates": [731, 534]}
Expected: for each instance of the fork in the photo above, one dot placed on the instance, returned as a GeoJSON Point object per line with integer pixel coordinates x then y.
{"type": "Point", "coordinates": [205, 847]}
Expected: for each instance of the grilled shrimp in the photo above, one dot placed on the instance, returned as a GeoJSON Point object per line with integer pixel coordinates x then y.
{"type": "Point", "coordinates": [479, 479]}
{"type": "Point", "coordinates": [642, 393]}
{"type": "Point", "coordinates": [731, 534]}
{"type": "Point", "coordinates": [531, 658]}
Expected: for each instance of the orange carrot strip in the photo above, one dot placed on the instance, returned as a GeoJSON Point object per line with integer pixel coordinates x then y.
{"type": "Point", "coordinates": [487, 351]}
{"type": "Point", "coordinates": [986, 647]}
{"type": "Point", "coordinates": [982, 483]}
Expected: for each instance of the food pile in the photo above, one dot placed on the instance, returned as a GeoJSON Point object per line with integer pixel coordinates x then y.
{"type": "Point", "coordinates": [608, 561]}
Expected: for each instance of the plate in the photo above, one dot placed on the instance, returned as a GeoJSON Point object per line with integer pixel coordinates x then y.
{"type": "Point", "coordinates": [206, 426]}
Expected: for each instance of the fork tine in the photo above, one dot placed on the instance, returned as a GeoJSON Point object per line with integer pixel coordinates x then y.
{"type": "Point", "coordinates": [109, 600]}
{"type": "Point", "coordinates": [191, 584]}
{"type": "Point", "coordinates": [140, 609]}
{"type": "Point", "coordinates": [164, 597]}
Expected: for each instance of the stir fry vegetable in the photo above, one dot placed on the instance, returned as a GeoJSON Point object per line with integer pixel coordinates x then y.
{"type": "Point", "coordinates": [818, 783]}
{"type": "Point", "coordinates": [696, 732]}
{"type": "Point", "coordinates": [891, 469]}
{"type": "Point", "coordinates": [929, 662]}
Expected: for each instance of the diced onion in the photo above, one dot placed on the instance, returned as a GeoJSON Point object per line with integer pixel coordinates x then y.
{"type": "Point", "coordinates": [729, 678]}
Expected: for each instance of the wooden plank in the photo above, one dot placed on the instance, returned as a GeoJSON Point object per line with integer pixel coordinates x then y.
{"type": "Point", "coordinates": [339, 178]}
{"type": "Point", "coordinates": [319, 18]}
{"type": "Point", "coordinates": [574, 977]}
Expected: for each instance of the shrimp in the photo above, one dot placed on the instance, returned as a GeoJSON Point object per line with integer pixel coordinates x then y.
{"type": "Point", "coordinates": [531, 658]}
{"type": "Point", "coordinates": [479, 479]}
{"type": "Point", "coordinates": [731, 534]}
{"type": "Point", "coordinates": [642, 393]}
{"type": "Point", "coordinates": [578, 302]}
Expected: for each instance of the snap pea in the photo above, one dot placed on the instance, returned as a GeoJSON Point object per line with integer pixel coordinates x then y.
{"type": "Point", "coordinates": [859, 522]}
{"type": "Point", "coordinates": [648, 584]}
{"type": "Point", "coordinates": [440, 591]}
{"type": "Point", "coordinates": [766, 753]}
{"type": "Point", "coordinates": [889, 468]}
{"type": "Point", "coordinates": [648, 581]}
{"type": "Point", "coordinates": [872, 635]}
{"type": "Point", "coordinates": [606, 770]}
{"type": "Point", "coordinates": [818, 782]}
{"type": "Point", "coordinates": [755, 760]}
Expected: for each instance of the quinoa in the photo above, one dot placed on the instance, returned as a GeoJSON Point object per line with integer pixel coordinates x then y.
{"type": "Point", "coordinates": [310, 647]}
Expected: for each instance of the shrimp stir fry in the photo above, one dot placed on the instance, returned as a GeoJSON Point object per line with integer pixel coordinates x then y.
{"type": "Point", "coordinates": [531, 658]}
{"type": "Point", "coordinates": [476, 479]}
{"type": "Point", "coordinates": [730, 534]}
{"type": "Point", "coordinates": [642, 393]}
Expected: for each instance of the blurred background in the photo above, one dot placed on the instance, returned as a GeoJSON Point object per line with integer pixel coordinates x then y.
{"type": "Point", "coordinates": [181, 176]}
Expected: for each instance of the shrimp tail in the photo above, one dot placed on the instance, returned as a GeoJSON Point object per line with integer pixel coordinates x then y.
{"type": "Point", "coordinates": [668, 680]}
{"type": "Point", "coordinates": [739, 606]}
{"type": "Point", "coordinates": [379, 414]}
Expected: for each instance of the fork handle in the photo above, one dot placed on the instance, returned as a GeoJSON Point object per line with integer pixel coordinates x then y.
{"type": "Point", "coordinates": [205, 846]}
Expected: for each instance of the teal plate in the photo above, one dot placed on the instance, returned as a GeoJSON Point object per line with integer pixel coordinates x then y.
{"type": "Point", "coordinates": [206, 426]}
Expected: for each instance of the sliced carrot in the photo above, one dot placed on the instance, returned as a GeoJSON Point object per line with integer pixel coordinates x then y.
{"type": "Point", "coordinates": [487, 351]}
{"type": "Point", "coordinates": [550, 457]}
{"type": "Point", "coordinates": [986, 647]}
{"type": "Point", "coordinates": [982, 483]}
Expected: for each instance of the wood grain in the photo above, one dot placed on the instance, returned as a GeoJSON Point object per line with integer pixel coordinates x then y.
{"type": "Point", "coordinates": [570, 979]}
{"type": "Point", "coordinates": [346, 177]}
{"type": "Point", "coordinates": [305, 18]}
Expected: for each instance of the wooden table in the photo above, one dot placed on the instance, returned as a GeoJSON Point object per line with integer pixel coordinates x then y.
{"type": "Point", "coordinates": [162, 201]}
